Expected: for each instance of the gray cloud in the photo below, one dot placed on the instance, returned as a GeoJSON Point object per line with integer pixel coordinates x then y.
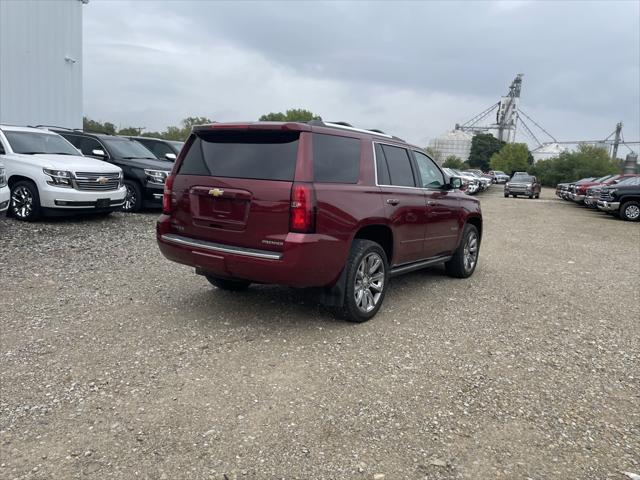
{"type": "Point", "coordinates": [413, 68]}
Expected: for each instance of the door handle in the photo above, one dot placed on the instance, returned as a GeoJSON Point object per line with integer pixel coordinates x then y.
{"type": "Point", "coordinates": [393, 201]}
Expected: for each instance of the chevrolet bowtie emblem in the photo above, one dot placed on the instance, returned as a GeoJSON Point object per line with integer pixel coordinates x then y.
{"type": "Point", "coordinates": [102, 180]}
{"type": "Point", "coordinates": [216, 192]}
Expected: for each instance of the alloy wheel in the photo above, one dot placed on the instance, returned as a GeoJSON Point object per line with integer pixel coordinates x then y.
{"type": "Point", "coordinates": [130, 200]}
{"type": "Point", "coordinates": [22, 202]}
{"type": "Point", "coordinates": [470, 251]}
{"type": "Point", "coordinates": [369, 282]}
{"type": "Point", "coordinates": [632, 212]}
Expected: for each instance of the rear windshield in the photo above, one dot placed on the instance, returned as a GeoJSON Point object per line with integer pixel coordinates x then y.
{"type": "Point", "coordinates": [261, 155]}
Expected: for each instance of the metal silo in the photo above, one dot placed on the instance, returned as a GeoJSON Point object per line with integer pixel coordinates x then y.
{"type": "Point", "coordinates": [455, 142]}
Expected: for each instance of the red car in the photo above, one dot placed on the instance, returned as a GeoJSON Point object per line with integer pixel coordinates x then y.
{"type": "Point", "coordinates": [314, 205]}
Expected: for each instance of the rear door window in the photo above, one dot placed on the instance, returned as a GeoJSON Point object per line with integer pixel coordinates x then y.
{"type": "Point", "coordinates": [399, 165]}
{"type": "Point", "coordinates": [262, 155]}
{"type": "Point", "coordinates": [336, 159]}
{"type": "Point", "coordinates": [382, 170]}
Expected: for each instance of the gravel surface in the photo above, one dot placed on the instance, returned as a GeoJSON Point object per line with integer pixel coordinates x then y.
{"type": "Point", "coordinates": [116, 363]}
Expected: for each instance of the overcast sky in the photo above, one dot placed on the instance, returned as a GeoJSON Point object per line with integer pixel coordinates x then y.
{"type": "Point", "coordinates": [413, 69]}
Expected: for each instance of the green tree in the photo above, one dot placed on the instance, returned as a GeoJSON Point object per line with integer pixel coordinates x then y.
{"type": "Point", "coordinates": [453, 162]}
{"type": "Point", "coordinates": [129, 131]}
{"type": "Point", "coordinates": [98, 127]}
{"type": "Point", "coordinates": [483, 146]}
{"type": "Point", "coordinates": [586, 161]}
{"type": "Point", "coordinates": [291, 115]}
{"type": "Point", "coordinates": [511, 158]}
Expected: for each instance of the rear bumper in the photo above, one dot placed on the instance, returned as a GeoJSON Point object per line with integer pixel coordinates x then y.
{"type": "Point", "coordinates": [608, 206]}
{"type": "Point", "coordinates": [307, 260]}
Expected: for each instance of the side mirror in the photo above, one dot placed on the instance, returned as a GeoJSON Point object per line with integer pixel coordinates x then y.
{"type": "Point", "coordinates": [170, 156]}
{"type": "Point", "coordinates": [455, 183]}
{"type": "Point", "coordinates": [98, 153]}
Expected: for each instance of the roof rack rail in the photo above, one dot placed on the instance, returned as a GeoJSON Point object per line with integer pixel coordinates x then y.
{"type": "Point", "coordinates": [348, 126]}
{"type": "Point", "coordinates": [51, 126]}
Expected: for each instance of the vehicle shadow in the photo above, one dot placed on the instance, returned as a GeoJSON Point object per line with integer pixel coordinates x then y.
{"type": "Point", "coordinates": [273, 306]}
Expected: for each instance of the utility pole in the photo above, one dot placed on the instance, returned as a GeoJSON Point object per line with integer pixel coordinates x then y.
{"type": "Point", "coordinates": [616, 141]}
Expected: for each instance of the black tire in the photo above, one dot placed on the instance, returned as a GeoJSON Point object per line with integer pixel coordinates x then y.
{"type": "Point", "coordinates": [506, 195]}
{"type": "Point", "coordinates": [514, 195]}
{"type": "Point", "coordinates": [630, 211]}
{"type": "Point", "coordinates": [361, 251]}
{"type": "Point", "coordinates": [133, 199]}
{"type": "Point", "coordinates": [457, 267]}
{"type": "Point", "coordinates": [25, 201]}
{"type": "Point", "coordinates": [228, 284]}
{"type": "Point", "coordinates": [537, 195]}
{"type": "Point", "coordinates": [531, 197]}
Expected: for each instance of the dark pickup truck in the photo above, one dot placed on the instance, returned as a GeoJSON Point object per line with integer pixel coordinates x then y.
{"type": "Point", "coordinates": [622, 199]}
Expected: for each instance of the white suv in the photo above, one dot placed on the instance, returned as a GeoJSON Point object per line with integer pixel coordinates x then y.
{"type": "Point", "coordinates": [48, 176]}
{"type": "Point", "coordinates": [4, 190]}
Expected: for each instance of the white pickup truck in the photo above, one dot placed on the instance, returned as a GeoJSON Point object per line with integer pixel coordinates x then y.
{"type": "Point", "coordinates": [46, 175]}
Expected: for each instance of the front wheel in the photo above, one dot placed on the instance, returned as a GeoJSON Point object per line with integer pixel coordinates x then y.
{"type": "Point", "coordinates": [133, 199]}
{"type": "Point", "coordinates": [25, 201]}
{"type": "Point", "coordinates": [464, 260]}
{"type": "Point", "coordinates": [367, 279]}
{"type": "Point", "coordinates": [506, 195]}
{"type": "Point", "coordinates": [228, 284]}
{"type": "Point", "coordinates": [630, 211]}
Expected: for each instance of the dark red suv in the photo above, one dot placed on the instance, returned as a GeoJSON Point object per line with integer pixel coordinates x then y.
{"type": "Point", "coordinates": [314, 205]}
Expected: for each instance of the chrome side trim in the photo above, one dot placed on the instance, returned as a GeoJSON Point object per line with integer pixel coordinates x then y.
{"type": "Point", "coordinates": [217, 247]}
{"type": "Point", "coordinates": [418, 265]}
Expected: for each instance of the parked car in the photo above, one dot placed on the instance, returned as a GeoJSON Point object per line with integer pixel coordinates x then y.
{"type": "Point", "coordinates": [526, 185]}
{"type": "Point", "coordinates": [314, 205]}
{"type": "Point", "coordinates": [578, 192]}
{"type": "Point", "coordinates": [471, 185]}
{"type": "Point", "coordinates": [622, 199]}
{"type": "Point", "coordinates": [499, 176]}
{"type": "Point", "coordinates": [144, 174]}
{"type": "Point", "coordinates": [571, 187]}
{"type": "Point", "coordinates": [161, 148]}
{"type": "Point", "coordinates": [5, 195]}
{"type": "Point", "coordinates": [48, 176]}
{"type": "Point", "coordinates": [592, 194]}
{"type": "Point", "coordinates": [484, 181]}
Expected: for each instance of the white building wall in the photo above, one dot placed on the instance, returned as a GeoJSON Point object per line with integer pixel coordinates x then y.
{"type": "Point", "coordinates": [41, 62]}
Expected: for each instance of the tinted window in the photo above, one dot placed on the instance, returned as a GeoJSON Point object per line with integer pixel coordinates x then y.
{"type": "Point", "coordinates": [159, 149]}
{"type": "Point", "coordinates": [336, 159]}
{"type": "Point", "coordinates": [267, 155]}
{"type": "Point", "coordinates": [86, 144]}
{"type": "Point", "coordinates": [430, 174]}
{"type": "Point", "coordinates": [399, 166]}
{"type": "Point", "coordinates": [36, 142]}
{"type": "Point", "coordinates": [1, 149]}
{"type": "Point", "coordinates": [381, 167]}
{"type": "Point", "coordinates": [126, 148]}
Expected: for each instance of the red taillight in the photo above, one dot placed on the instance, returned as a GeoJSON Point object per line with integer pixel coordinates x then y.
{"type": "Point", "coordinates": [166, 196]}
{"type": "Point", "coordinates": [303, 208]}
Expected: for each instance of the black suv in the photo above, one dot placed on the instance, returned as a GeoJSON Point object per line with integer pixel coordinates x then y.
{"type": "Point", "coordinates": [161, 148]}
{"type": "Point", "coordinates": [144, 174]}
{"type": "Point", "coordinates": [622, 199]}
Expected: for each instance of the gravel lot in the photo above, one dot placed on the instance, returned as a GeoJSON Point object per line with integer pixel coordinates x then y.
{"type": "Point", "coordinates": [116, 363]}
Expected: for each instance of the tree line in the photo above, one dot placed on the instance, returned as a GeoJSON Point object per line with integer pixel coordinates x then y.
{"type": "Point", "coordinates": [489, 153]}
{"type": "Point", "coordinates": [181, 132]}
